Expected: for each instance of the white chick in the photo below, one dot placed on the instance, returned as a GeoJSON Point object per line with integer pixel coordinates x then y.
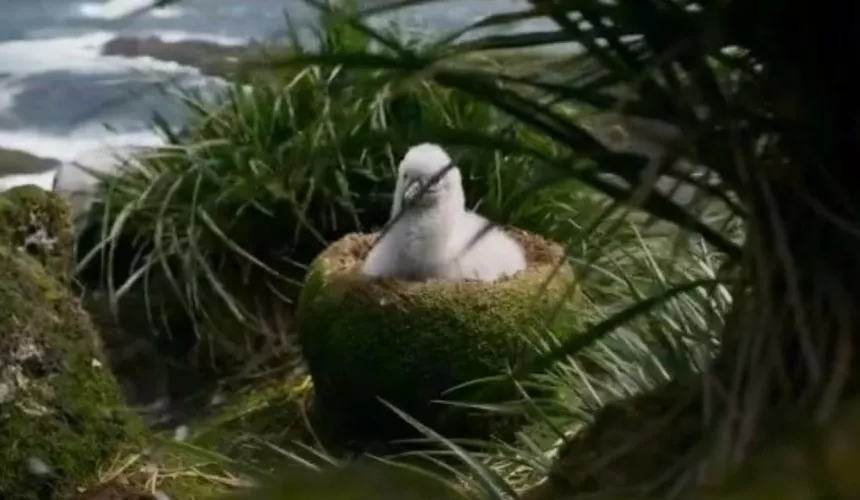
{"type": "Point", "coordinates": [436, 237]}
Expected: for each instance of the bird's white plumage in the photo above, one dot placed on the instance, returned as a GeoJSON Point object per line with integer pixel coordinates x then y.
{"type": "Point", "coordinates": [436, 237]}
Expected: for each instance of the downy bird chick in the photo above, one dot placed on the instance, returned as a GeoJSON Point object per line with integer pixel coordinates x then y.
{"type": "Point", "coordinates": [435, 236]}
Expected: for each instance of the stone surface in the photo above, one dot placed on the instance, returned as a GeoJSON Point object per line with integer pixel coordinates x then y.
{"type": "Point", "coordinates": [15, 162]}
{"type": "Point", "coordinates": [210, 58]}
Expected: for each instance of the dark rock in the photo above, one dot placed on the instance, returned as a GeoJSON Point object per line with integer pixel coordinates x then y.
{"type": "Point", "coordinates": [14, 162]}
{"type": "Point", "coordinates": [210, 58]}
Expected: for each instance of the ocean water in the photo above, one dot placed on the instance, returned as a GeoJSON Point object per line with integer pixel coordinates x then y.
{"type": "Point", "coordinates": [59, 97]}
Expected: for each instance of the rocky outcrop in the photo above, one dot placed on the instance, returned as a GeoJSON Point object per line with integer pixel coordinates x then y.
{"type": "Point", "coordinates": [210, 58]}
{"type": "Point", "coordinates": [15, 162]}
{"type": "Point", "coordinates": [62, 416]}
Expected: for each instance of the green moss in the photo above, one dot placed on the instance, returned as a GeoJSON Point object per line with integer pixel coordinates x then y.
{"type": "Point", "coordinates": [358, 480]}
{"type": "Point", "coordinates": [37, 221]}
{"type": "Point", "coordinates": [409, 342]}
{"type": "Point", "coordinates": [58, 401]}
{"type": "Point", "coordinates": [184, 477]}
{"type": "Point", "coordinates": [224, 446]}
{"type": "Point", "coordinates": [272, 412]}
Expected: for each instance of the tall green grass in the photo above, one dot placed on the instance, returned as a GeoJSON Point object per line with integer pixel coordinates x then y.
{"type": "Point", "coordinates": [670, 341]}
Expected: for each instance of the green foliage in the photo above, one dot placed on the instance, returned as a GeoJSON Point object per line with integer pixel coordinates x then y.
{"type": "Point", "coordinates": [772, 96]}
{"type": "Point", "coordinates": [654, 313]}
{"type": "Point", "coordinates": [281, 165]}
{"type": "Point", "coordinates": [627, 73]}
{"type": "Point", "coordinates": [261, 424]}
{"type": "Point", "coordinates": [362, 96]}
{"type": "Point", "coordinates": [672, 338]}
{"type": "Point", "coordinates": [376, 99]}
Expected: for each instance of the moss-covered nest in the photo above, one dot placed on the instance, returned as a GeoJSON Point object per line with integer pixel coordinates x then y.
{"type": "Point", "coordinates": [409, 342]}
{"type": "Point", "coordinates": [59, 405]}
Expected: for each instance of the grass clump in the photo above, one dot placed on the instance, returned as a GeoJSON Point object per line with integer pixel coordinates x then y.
{"type": "Point", "coordinates": [261, 424]}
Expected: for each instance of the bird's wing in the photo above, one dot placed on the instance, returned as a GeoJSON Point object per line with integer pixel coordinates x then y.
{"type": "Point", "coordinates": [491, 256]}
{"type": "Point", "coordinates": [379, 262]}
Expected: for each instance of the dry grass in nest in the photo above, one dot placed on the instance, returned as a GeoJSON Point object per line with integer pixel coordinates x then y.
{"type": "Point", "coordinates": [545, 271]}
{"type": "Point", "coordinates": [351, 250]}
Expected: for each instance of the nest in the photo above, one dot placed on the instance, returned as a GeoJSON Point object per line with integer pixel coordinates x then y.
{"type": "Point", "coordinates": [407, 342]}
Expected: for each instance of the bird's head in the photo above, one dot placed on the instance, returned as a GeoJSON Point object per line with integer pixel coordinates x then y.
{"type": "Point", "coordinates": [427, 178]}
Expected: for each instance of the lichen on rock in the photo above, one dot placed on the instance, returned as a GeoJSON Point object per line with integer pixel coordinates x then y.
{"type": "Point", "coordinates": [37, 222]}
{"type": "Point", "coordinates": [410, 342]}
{"type": "Point", "coordinates": [60, 405]}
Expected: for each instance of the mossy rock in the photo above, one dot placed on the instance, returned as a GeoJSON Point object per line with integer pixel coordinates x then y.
{"type": "Point", "coordinates": [662, 424]}
{"type": "Point", "coordinates": [59, 404]}
{"type": "Point", "coordinates": [410, 342]}
{"type": "Point", "coordinates": [37, 222]}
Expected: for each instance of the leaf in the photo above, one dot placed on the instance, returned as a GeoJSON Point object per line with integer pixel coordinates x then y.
{"type": "Point", "coordinates": [597, 332]}
{"type": "Point", "coordinates": [488, 479]}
